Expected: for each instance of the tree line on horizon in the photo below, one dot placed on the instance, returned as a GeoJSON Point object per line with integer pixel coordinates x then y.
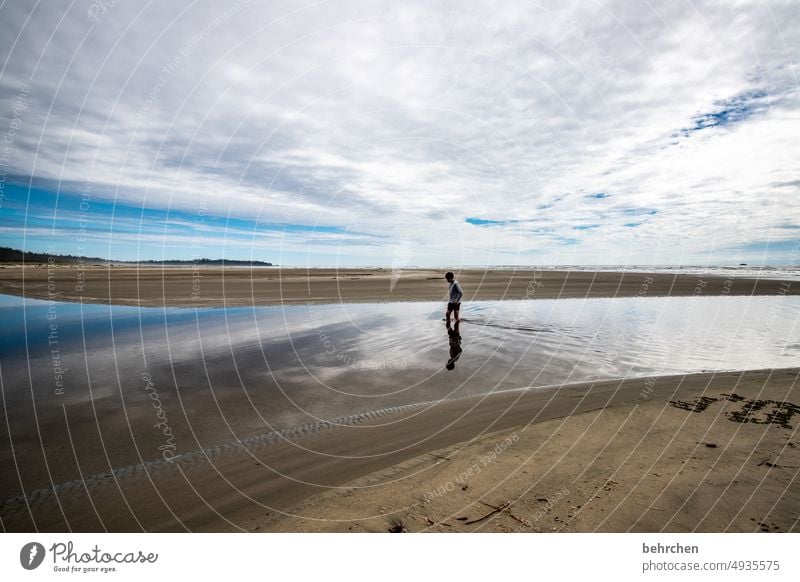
{"type": "Point", "coordinates": [10, 255]}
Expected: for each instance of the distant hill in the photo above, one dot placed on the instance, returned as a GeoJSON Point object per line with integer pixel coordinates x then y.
{"type": "Point", "coordinates": [9, 255]}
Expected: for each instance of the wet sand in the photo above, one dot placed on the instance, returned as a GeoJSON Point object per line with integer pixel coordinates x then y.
{"type": "Point", "coordinates": [703, 452]}
{"type": "Point", "coordinates": [722, 455]}
{"type": "Point", "coordinates": [211, 287]}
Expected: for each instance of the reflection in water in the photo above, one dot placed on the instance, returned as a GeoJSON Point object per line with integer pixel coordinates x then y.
{"type": "Point", "coordinates": [454, 339]}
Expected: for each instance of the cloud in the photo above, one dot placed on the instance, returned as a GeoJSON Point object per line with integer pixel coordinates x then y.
{"type": "Point", "coordinates": [389, 122]}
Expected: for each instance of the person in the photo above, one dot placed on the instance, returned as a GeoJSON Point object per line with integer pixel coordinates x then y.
{"type": "Point", "coordinates": [454, 303]}
{"type": "Point", "coordinates": [455, 345]}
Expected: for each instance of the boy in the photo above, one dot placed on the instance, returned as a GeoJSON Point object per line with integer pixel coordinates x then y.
{"type": "Point", "coordinates": [455, 297]}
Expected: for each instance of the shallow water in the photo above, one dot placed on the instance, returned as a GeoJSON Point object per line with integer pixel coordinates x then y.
{"type": "Point", "coordinates": [127, 384]}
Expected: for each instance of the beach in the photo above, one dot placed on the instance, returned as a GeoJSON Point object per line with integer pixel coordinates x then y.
{"type": "Point", "coordinates": [236, 286]}
{"type": "Point", "coordinates": [640, 465]}
{"type": "Point", "coordinates": [703, 452]}
{"type": "Point", "coordinates": [336, 415]}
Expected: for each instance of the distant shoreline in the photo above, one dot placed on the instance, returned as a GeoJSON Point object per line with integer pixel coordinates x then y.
{"type": "Point", "coordinates": [234, 286]}
{"type": "Point", "coordinates": [14, 257]}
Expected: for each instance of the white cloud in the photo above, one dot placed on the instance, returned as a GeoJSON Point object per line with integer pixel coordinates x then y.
{"type": "Point", "coordinates": [407, 119]}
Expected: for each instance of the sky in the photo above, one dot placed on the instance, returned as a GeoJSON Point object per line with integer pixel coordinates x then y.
{"type": "Point", "coordinates": [403, 133]}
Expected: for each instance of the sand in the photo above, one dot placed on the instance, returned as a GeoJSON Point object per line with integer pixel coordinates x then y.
{"type": "Point", "coordinates": [630, 455]}
{"type": "Point", "coordinates": [213, 287]}
{"type": "Point", "coordinates": [638, 467]}
{"type": "Point", "coordinates": [604, 456]}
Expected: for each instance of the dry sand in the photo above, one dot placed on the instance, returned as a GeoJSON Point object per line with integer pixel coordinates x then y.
{"type": "Point", "coordinates": [211, 287]}
{"type": "Point", "coordinates": [639, 454]}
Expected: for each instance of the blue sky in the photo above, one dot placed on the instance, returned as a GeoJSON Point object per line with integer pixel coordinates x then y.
{"type": "Point", "coordinates": [451, 133]}
{"type": "Point", "coordinates": [70, 223]}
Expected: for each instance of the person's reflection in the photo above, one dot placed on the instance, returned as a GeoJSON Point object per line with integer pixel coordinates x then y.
{"type": "Point", "coordinates": [455, 345]}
